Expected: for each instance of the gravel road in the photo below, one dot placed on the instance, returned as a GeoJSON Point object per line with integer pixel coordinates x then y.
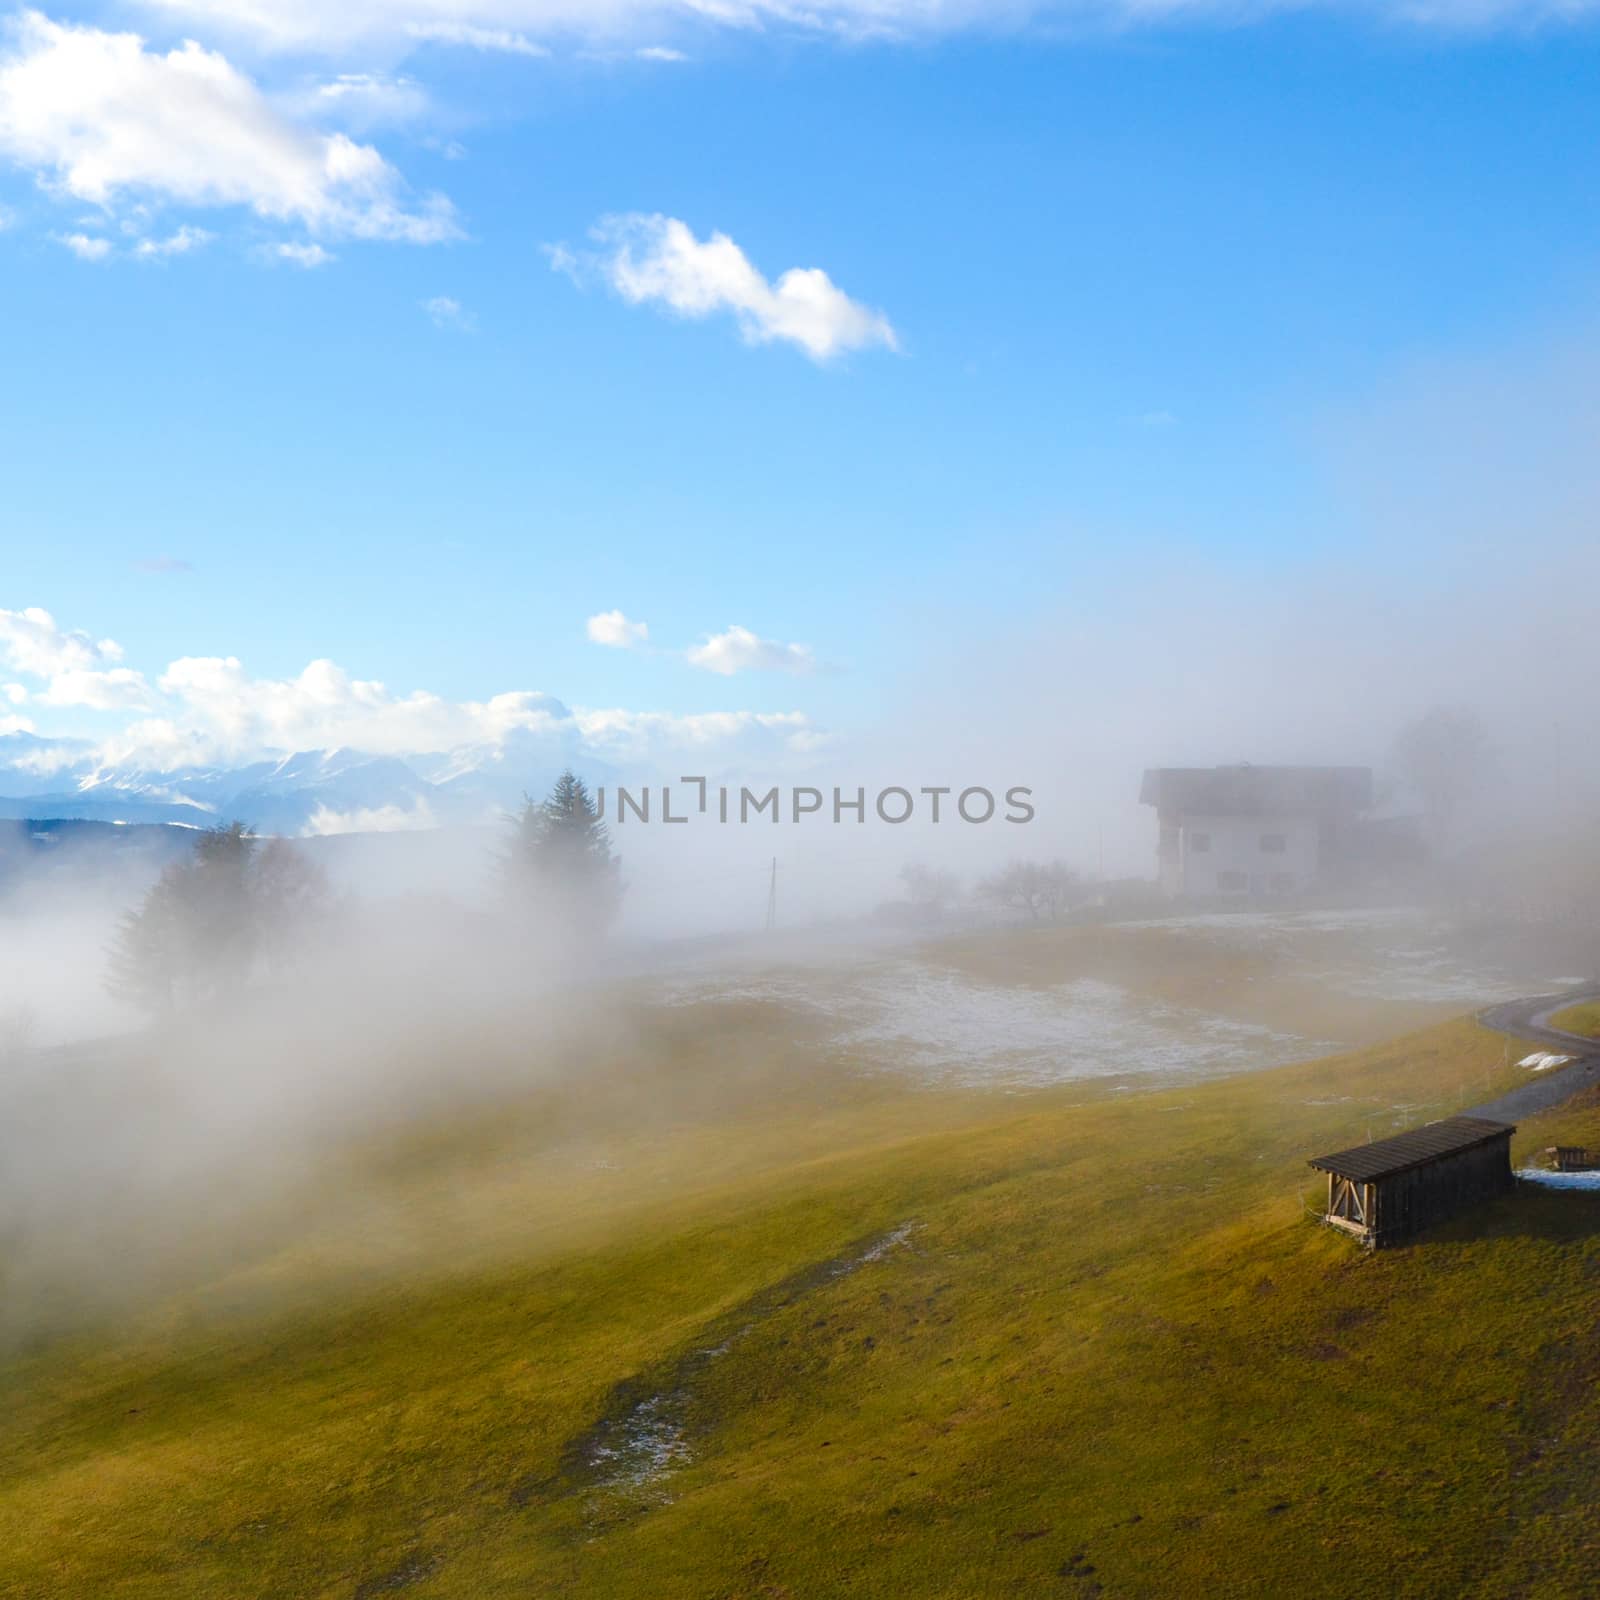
{"type": "Point", "coordinates": [1530, 1020]}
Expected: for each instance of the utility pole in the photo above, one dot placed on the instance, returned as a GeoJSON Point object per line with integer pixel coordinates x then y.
{"type": "Point", "coordinates": [772, 898]}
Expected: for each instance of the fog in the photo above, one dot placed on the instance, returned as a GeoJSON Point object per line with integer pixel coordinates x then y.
{"type": "Point", "coordinates": [1453, 566]}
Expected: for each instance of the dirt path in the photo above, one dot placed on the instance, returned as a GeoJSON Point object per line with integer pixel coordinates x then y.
{"type": "Point", "coordinates": [1529, 1020]}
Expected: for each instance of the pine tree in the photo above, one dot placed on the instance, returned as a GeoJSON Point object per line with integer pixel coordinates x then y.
{"type": "Point", "coordinates": [151, 963]}
{"type": "Point", "coordinates": [559, 861]}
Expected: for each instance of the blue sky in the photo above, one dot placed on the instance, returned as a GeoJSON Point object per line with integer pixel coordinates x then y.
{"type": "Point", "coordinates": [1098, 296]}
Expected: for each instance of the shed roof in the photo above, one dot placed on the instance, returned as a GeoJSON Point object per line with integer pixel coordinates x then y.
{"type": "Point", "coordinates": [1415, 1148]}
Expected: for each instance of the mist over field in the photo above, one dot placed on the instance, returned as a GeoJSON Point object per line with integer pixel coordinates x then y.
{"type": "Point", "coordinates": [413, 998]}
{"type": "Point", "coordinates": [798, 802]}
{"type": "Point", "coordinates": [140, 1148]}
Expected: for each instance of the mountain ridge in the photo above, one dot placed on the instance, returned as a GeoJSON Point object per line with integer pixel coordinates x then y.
{"type": "Point", "coordinates": [304, 792]}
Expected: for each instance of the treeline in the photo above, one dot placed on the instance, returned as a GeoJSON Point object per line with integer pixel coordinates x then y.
{"type": "Point", "coordinates": [241, 910]}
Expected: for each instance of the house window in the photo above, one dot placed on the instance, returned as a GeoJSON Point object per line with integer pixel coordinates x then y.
{"type": "Point", "coordinates": [1233, 882]}
{"type": "Point", "coordinates": [1282, 882]}
{"type": "Point", "coordinates": [1199, 843]}
{"type": "Point", "coordinates": [1274, 844]}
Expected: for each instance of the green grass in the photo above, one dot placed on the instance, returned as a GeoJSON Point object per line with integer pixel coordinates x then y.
{"type": "Point", "coordinates": [1583, 1019]}
{"type": "Point", "coordinates": [1116, 1357]}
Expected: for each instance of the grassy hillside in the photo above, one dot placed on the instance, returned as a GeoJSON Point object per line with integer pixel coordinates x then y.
{"type": "Point", "coordinates": [852, 1341]}
{"type": "Point", "coordinates": [1584, 1019]}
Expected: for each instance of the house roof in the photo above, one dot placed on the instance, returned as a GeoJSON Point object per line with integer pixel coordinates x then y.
{"type": "Point", "coordinates": [1258, 791]}
{"type": "Point", "coordinates": [1415, 1148]}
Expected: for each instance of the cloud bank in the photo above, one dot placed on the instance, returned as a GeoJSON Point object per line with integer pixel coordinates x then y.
{"type": "Point", "coordinates": [101, 117]}
{"type": "Point", "coordinates": [210, 709]}
{"type": "Point", "coordinates": [98, 117]}
{"type": "Point", "coordinates": [71, 668]}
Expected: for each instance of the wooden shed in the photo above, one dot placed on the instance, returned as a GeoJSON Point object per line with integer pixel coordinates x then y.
{"type": "Point", "coordinates": [1573, 1158]}
{"type": "Point", "coordinates": [1386, 1191]}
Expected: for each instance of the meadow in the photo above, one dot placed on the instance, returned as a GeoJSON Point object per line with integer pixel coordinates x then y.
{"type": "Point", "coordinates": [1582, 1019]}
{"type": "Point", "coordinates": [724, 1315]}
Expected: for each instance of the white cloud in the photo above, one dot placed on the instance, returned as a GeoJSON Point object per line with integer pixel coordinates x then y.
{"type": "Point", "coordinates": [221, 707]}
{"type": "Point", "coordinates": [369, 819]}
{"type": "Point", "coordinates": [300, 255]}
{"type": "Point", "coordinates": [657, 260]}
{"type": "Point", "coordinates": [564, 259]}
{"type": "Point", "coordinates": [451, 314]}
{"type": "Point", "coordinates": [614, 629]}
{"type": "Point", "coordinates": [641, 735]}
{"type": "Point", "coordinates": [206, 710]}
{"type": "Point", "coordinates": [500, 40]}
{"type": "Point", "coordinates": [520, 26]}
{"type": "Point", "coordinates": [84, 246]}
{"type": "Point", "coordinates": [117, 689]}
{"type": "Point", "coordinates": [366, 100]}
{"type": "Point", "coordinates": [97, 117]}
{"type": "Point", "coordinates": [175, 244]}
{"type": "Point", "coordinates": [740, 650]}
{"type": "Point", "coordinates": [49, 759]}
{"type": "Point", "coordinates": [659, 52]}
{"type": "Point", "coordinates": [218, 712]}
{"type": "Point", "coordinates": [34, 644]}
{"type": "Point", "coordinates": [76, 670]}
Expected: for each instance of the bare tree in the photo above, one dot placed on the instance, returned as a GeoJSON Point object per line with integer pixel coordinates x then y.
{"type": "Point", "coordinates": [1063, 889]}
{"type": "Point", "coordinates": [19, 1028]}
{"type": "Point", "coordinates": [1443, 756]}
{"type": "Point", "coordinates": [929, 889]}
{"type": "Point", "coordinates": [1040, 888]}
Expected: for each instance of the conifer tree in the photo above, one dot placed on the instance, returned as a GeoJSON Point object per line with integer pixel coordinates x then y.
{"type": "Point", "coordinates": [559, 863]}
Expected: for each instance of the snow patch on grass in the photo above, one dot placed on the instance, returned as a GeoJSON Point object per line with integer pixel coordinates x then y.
{"type": "Point", "coordinates": [907, 1017]}
{"type": "Point", "coordinates": [965, 1034]}
{"type": "Point", "coordinates": [1560, 1180]}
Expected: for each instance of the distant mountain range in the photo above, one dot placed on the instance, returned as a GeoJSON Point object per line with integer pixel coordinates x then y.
{"type": "Point", "coordinates": [310, 792]}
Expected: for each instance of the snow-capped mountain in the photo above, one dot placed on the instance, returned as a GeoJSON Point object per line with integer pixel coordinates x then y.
{"type": "Point", "coordinates": [309, 792]}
